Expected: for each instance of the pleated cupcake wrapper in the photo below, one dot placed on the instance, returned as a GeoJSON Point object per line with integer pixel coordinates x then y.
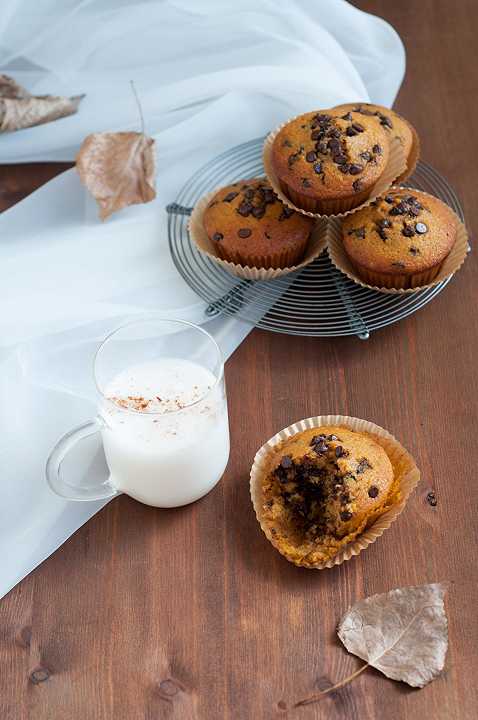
{"type": "Point", "coordinates": [420, 281]}
{"type": "Point", "coordinates": [395, 167]}
{"type": "Point", "coordinates": [315, 245]}
{"type": "Point", "coordinates": [413, 157]}
{"type": "Point", "coordinates": [404, 467]}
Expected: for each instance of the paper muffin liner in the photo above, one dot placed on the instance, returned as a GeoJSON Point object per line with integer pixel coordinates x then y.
{"type": "Point", "coordinates": [414, 155]}
{"type": "Point", "coordinates": [394, 168]}
{"type": "Point", "coordinates": [404, 467]}
{"type": "Point", "coordinates": [396, 283]}
{"type": "Point", "coordinates": [314, 247]}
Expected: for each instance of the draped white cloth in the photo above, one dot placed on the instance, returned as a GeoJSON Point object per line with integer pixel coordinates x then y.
{"type": "Point", "coordinates": [210, 74]}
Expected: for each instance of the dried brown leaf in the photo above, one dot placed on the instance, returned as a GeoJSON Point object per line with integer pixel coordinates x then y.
{"type": "Point", "coordinates": [118, 169]}
{"type": "Point", "coordinates": [402, 633]}
{"type": "Point", "coordinates": [19, 109]}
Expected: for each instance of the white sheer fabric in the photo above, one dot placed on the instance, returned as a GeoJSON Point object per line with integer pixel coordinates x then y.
{"type": "Point", "coordinates": [210, 74]}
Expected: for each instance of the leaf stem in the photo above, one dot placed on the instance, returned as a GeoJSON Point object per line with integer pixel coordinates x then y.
{"type": "Point", "coordinates": [140, 109]}
{"type": "Point", "coordinates": [319, 696]}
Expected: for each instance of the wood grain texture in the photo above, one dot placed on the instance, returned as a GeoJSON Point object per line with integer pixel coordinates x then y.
{"type": "Point", "coordinates": [191, 614]}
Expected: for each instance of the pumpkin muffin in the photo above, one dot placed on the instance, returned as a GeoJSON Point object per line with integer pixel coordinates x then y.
{"type": "Point", "coordinates": [394, 124]}
{"type": "Point", "coordinates": [328, 161]}
{"type": "Point", "coordinates": [250, 226]}
{"type": "Point", "coordinates": [323, 487]}
{"type": "Point", "coordinates": [400, 240]}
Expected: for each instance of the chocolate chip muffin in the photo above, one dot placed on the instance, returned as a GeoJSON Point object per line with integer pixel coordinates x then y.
{"type": "Point", "coordinates": [250, 226]}
{"type": "Point", "coordinates": [401, 240]}
{"type": "Point", "coordinates": [322, 488]}
{"type": "Point", "coordinates": [394, 125]}
{"type": "Point", "coordinates": [327, 161]}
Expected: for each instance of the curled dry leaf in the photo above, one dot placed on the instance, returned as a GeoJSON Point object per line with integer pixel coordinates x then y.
{"type": "Point", "coordinates": [402, 633]}
{"type": "Point", "coordinates": [19, 109]}
{"type": "Point", "coordinates": [118, 169]}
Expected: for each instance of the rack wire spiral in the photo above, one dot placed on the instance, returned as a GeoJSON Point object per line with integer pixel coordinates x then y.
{"type": "Point", "coordinates": [315, 301]}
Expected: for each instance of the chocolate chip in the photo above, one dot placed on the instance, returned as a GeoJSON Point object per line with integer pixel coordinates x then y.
{"type": "Point", "coordinates": [249, 193]}
{"type": "Point", "coordinates": [259, 211]}
{"type": "Point", "coordinates": [334, 145]}
{"type": "Point", "coordinates": [382, 234]}
{"type": "Point", "coordinates": [269, 196]}
{"type": "Point", "coordinates": [286, 213]}
{"type": "Point", "coordinates": [350, 132]}
{"type": "Point", "coordinates": [317, 439]}
{"type": "Point", "coordinates": [316, 135]}
{"type": "Point", "coordinates": [287, 143]}
{"type": "Point", "coordinates": [398, 264]}
{"type": "Point", "coordinates": [431, 499]}
{"type": "Point", "coordinates": [420, 228]}
{"type": "Point", "coordinates": [348, 116]}
{"type": "Point", "coordinates": [344, 498]}
{"type": "Point", "coordinates": [355, 169]}
{"type": "Point", "coordinates": [345, 515]}
{"type": "Point", "coordinates": [230, 196]}
{"type": "Point", "coordinates": [244, 232]}
{"type": "Point", "coordinates": [286, 462]}
{"type": "Point", "coordinates": [306, 183]}
{"type": "Point", "coordinates": [311, 157]}
{"type": "Point", "coordinates": [363, 465]}
{"type": "Point", "coordinates": [344, 168]}
{"type": "Point", "coordinates": [385, 121]}
{"type": "Point", "coordinates": [245, 208]}
{"type": "Point", "coordinates": [388, 199]}
{"type": "Point", "coordinates": [321, 148]}
{"type": "Point", "coordinates": [358, 232]}
{"type": "Point", "coordinates": [408, 231]}
{"type": "Point", "coordinates": [365, 155]}
{"type": "Point", "coordinates": [321, 447]}
{"type": "Point", "coordinates": [339, 159]}
{"type": "Point", "coordinates": [318, 168]}
{"type": "Point", "coordinates": [358, 128]}
{"type": "Point", "coordinates": [377, 149]}
{"type": "Point", "coordinates": [384, 223]}
{"type": "Point", "coordinates": [322, 118]}
{"type": "Point", "coordinates": [414, 250]}
{"type": "Point", "coordinates": [373, 491]}
{"type": "Point", "coordinates": [357, 185]}
{"type": "Point", "coordinates": [332, 437]}
{"type": "Point", "coordinates": [334, 133]}
{"type": "Point", "coordinates": [217, 237]}
{"type": "Point", "coordinates": [267, 236]}
{"type": "Point", "coordinates": [339, 451]}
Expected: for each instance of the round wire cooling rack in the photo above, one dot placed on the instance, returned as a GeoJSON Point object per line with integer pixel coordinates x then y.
{"type": "Point", "coordinates": [317, 300]}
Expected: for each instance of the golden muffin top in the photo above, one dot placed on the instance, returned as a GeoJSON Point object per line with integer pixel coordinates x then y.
{"type": "Point", "coordinates": [247, 217]}
{"type": "Point", "coordinates": [392, 122]}
{"type": "Point", "coordinates": [405, 231]}
{"type": "Point", "coordinates": [329, 154]}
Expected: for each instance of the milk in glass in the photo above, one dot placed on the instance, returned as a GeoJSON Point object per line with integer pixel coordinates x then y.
{"type": "Point", "coordinates": [166, 432]}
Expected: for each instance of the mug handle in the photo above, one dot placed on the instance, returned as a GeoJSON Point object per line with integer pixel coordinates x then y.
{"type": "Point", "coordinates": [99, 491]}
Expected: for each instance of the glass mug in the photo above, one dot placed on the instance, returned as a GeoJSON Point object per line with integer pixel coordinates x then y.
{"type": "Point", "coordinates": [162, 414]}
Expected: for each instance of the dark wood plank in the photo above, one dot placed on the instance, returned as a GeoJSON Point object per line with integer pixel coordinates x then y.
{"type": "Point", "coordinates": [147, 614]}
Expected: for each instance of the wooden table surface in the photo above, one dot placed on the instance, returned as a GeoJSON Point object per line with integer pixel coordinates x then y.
{"type": "Point", "coordinates": [147, 614]}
